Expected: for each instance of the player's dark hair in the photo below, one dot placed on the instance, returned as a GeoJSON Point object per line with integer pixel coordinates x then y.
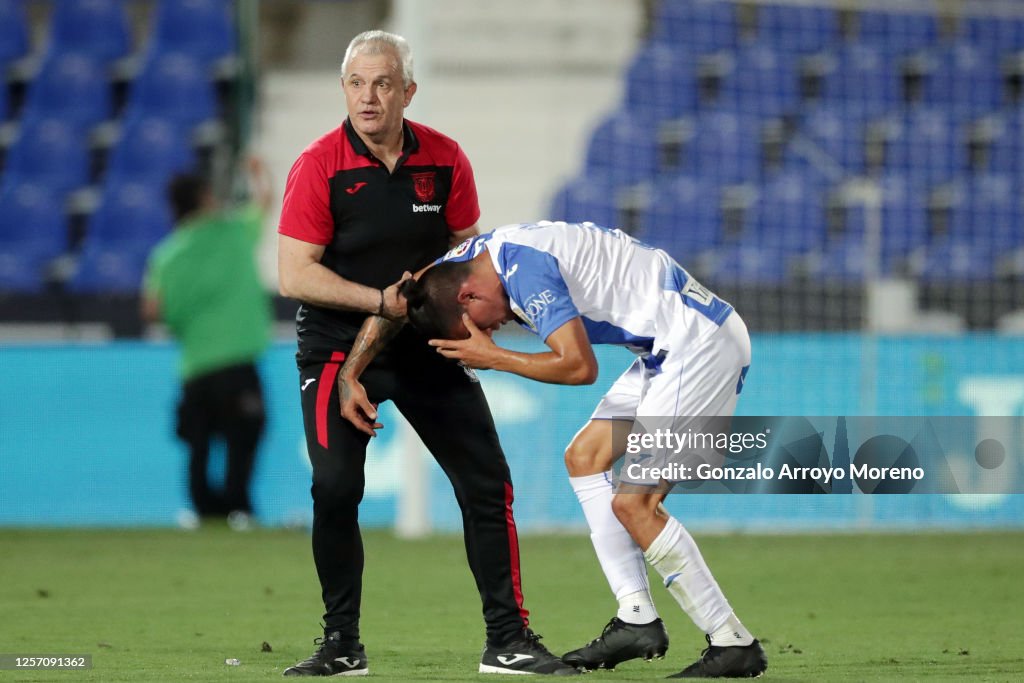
{"type": "Point", "coordinates": [186, 192]}
{"type": "Point", "coordinates": [432, 301]}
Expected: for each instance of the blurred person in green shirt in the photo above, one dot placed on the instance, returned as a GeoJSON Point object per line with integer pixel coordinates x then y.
{"type": "Point", "coordinates": [202, 281]}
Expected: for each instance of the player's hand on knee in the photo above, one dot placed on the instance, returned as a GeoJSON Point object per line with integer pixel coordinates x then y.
{"type": "Point", "coordinates": [394, 303]}
{"type": "Point", "coordinates": [356, 406]}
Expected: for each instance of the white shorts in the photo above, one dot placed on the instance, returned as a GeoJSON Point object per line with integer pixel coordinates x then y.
{"type": "Point", "coordinates": [690, 385]}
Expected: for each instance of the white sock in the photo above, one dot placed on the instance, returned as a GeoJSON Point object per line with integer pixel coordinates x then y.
{"type": "Point", "coordinates": [732, 632]}
{"type": "Point", "coordinates": [637, 608]}
{"type": "Point", "coordinates": [687, 577]}
{"type": "Point", "coordinates": [620, 557]}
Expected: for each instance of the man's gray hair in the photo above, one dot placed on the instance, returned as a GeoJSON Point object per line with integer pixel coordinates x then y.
{"type": "Point", "coordinates": [375, 43]}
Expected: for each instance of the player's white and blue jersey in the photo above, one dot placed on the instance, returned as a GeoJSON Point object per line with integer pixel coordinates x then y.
{"type": "Point", "coordinates": [625, 292]}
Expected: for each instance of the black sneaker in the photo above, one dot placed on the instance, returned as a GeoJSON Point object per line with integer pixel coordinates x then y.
{"type": "Point", "coordinates": [619, 642]}
{"type": "Point", "coordinates": [523, 656]}
{"type": "Point", "coordinates": [333, 657]}
{"type": "Point", "coordinates": [737, 661]}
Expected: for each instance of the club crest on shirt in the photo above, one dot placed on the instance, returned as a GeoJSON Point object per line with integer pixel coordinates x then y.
{"type": "Point", "coordinates": [459, 250]}
{"type": "Point", "coordinates": [423, 185]}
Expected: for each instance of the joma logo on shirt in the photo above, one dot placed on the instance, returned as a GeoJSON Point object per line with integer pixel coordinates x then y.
{"type": "Point", "coordinates": [426, 208]}
{"type": "Point", "coordinates": [538, 303]}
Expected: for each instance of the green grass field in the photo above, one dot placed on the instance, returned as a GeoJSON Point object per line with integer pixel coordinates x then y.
{"type": "Point", "coordinates": [173, 605]}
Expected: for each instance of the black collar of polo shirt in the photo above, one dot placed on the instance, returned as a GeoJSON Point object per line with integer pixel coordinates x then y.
{"type": "Point", "coordinates": [409, 142]}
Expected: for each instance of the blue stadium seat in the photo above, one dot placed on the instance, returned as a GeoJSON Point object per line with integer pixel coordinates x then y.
{"type": "Point", "coordinates": [50, 152]}
{"type": "Point", "coordinates": [1007, 151]}
{"type": "Point", "coordinates": [201, 28]}
{"type": "Point", "coordinates": [904, 224]}
{"type": "Point", "coordinates": [701, 25]}
{"type": "Point", "coordinates": [864, 76]}
{"type": "Point", "coordinates": [150, 150]}
{"type": "Point", "coordinates": [900, 32]}
{"type": "Point", "coordinates": [14, 38]}
{"type": "Point", "coordinates": [789, 214]}
{"type": "Point", "coordinates": [624, 148]}
{"type": "Point", "coordinates": [764, 81]}
{"type": "Point", "coordinates": [587, 198]}
{"type": "Point", "coordinates": [837, 132]}
{"type": "Point", "coordinates": [725, 148]}
{"type": "Point", "coordinates": [904, 219]}
{"type": "Point", "coordinates": [132, 215]}
{"type": "Point", "coordinates": [660, 82]}
{"type": "Point", "coordinates": [173, 86]}
{"type": "Point", "coordinates": [955, 261]}
{"type": "Point", "coordinates": [1003, 34]}
{"type": "Point", "coordinates": [966, 79]}
{"type": "Point", "coordinates": [95, 27]}
{"type": "Point", "coordinates": [841, 260]}
{"type": "Point", "coordinates": [798, 28]}
{"type": "Point", "coordinates": [749, 264]}
{"type": "Point", "coordinates": [109, 268]}
{"type": "Point", "coordinates": [926, 143]}
{"type": "Point", "coordinates": [33, 230]}
{"type": "Point", "coordinates": [988, 212]}
{"type": "Point", "coordinates": [22, 269]}
{"type": "Point", "coordinates": [683, 216]}
{"type": "Point", "coordinates": [75, 87]}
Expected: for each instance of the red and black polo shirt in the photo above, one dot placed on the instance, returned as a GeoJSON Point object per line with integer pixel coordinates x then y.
{"type": "Point", "coordinates": [374, 224]}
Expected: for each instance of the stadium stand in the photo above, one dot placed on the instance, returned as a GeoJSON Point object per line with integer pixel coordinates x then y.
{"type": "Point", "coordinates": [93, 127]}
{"type": "Point", "coordinates": [836, 146]}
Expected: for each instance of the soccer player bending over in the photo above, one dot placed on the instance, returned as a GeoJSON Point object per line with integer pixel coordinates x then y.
{"type": "Point", "coordinates": [576, 285]}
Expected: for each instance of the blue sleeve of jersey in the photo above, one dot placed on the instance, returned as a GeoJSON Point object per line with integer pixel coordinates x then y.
{"type": "Point", "coordinates": [465, 251]}
{"type": "Point", "coordinates": [534, 283]}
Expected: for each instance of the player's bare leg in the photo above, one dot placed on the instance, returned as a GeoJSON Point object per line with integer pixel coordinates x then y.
{"type": "Point", "coordinates": [635, 631]}
{"type": "Point", "coordinates": [669, 548]}
{"type": "Point", "coordinates": [596, 447]}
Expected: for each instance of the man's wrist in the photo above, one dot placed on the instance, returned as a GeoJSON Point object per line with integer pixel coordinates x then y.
{"type": "Point", "coordinates": [349, 375]}
{"type": "Point", "coordinates": [380, 308]}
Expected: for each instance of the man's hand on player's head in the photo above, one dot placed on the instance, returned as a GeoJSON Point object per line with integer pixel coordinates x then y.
{"type": "Point", "coordinates": [478, 351]}
{"type": "Point", "coordinates": [356, 406]}
{"type": "Point", "coordinates": [394, 302]}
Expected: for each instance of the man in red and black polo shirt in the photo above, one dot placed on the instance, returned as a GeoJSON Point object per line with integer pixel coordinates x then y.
{"type": "Point", "coordinates": [365, 204]}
